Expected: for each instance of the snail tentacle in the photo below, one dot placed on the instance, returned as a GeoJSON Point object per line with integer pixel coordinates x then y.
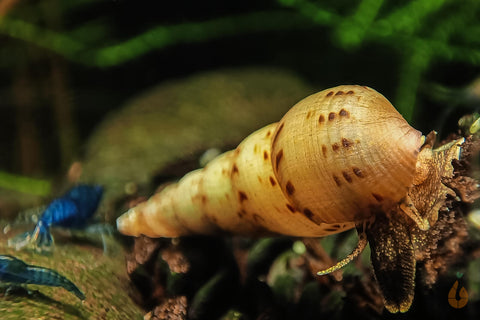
{"type": "Point", "coordinates": [407, 207]}
{"type": "Point", "coordinates": [362, 243]}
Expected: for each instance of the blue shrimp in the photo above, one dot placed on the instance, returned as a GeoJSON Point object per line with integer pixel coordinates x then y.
{"type": "Point", "coordinates": [16, 272]}
{"type": "Point", "coordinates": [73, 210]}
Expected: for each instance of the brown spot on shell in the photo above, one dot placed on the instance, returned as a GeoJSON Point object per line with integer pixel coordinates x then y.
{"type": "Point", "coordinates": [377, 197]}
{"type": "Point", "coordinates": [346, 143]}
{"type": "Point", "coordinates": [339, 93]}
{"type": "Point", "coordinates": [278, 158]}
{"type": "Point", "coordinates": [335, 147]}
{"type": "Point", "coordinates": [241, 213]}
{"type": "Point", "coordinates": [337, 180]}
{"type": "Point", "coordinates": [290, 188]}
{"type": "Point", "coordinates": [255, 149]}
{"type": "Point", "coordinates": [259, 179]}
{"type": "Point", "coordinates": [347, 177]}
{"type": "Point", "coordinates": [290, 207]}
{"type": "Point", "coordinates": [309, 114]}
{"type": "Point", "coordinates": [265, 155]}
{"type": "Point", "coordinates": [329, 94]}
{"type": "Point", "coordinates": [321, 119]}
{"type": "Point", "coordinates": [324, 150]}
{"type": "Point", "coordinates": [272, 181]}
{"type": "Point", "coordinates": [234, 168]}
{"type": "Point", "coordinates": [331, 116]}
{"type": "Point", "coordinates": [309, 215]}
{"type": "Point", "coordinates": [350, 92]}
{"type": "Point", "coordinates": [204, 200]}
{"type": "Point", "coordinates": [242, 196]}
{"type": "Point", "coordinates": [358, 172]}
{"type": "Point", "coordinates": [269, 133]}
{"type": "Point", "coordinates": [344, 113]}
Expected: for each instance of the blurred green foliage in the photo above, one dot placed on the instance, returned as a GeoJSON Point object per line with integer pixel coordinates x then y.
{"type": "Point", "coordinates": [422, 32]}
{"type": "Point", "coordinates": [73, 48]}
{"type": "Point", "coordinates": [24, 184]}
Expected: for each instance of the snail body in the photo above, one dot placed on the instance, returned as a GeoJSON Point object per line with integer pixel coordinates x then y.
{"type": "Point", "coordinates": [335, 161]}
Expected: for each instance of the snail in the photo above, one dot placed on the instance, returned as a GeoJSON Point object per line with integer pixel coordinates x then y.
{"type": "Point", "coordinates": [339, 159]}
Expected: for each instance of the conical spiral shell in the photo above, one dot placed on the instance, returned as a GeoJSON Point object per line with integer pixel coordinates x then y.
{"type": "Point", "coordinates": [333, 159]}
{"type": "Point", "coordinates": [343, 152]}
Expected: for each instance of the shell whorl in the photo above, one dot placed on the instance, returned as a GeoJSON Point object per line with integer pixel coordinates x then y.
{"type": "Point", "coordinates": [343, 152]}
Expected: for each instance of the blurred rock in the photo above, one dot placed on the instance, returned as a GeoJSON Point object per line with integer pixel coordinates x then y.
{"type": "Point", "coordinates": [163, 132]}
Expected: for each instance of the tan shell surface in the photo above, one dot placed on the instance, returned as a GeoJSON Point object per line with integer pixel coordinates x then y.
{"type": "Point", "coordinates": [343, 152]}
{"type": "Point", "coordinates": [260, 198]}
{"type": "Point", "coordinates": [190, 213]}
{"type": "Point", "coordinates": [217, 196]}
{"type": "Point", "coordinates": [154, 218]}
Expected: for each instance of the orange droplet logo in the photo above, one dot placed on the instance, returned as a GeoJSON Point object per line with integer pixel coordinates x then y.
{"type": "Point", "coordinates": [452, 299]}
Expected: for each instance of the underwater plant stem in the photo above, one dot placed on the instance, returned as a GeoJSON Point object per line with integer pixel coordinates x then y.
{"type": "Point", "coordinates": [351, 32]}
{"type": "Point", "coordinates": [155, 38]}
{"type": "Point", "coordinates": [310, 14]}
{"type": "Point", "coordinates": [408, 18]}
{"type": "Point", "coordinates": [414, 65]}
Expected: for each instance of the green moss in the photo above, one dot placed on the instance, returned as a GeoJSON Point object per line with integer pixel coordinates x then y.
{"type": "Point", "coordinates": [102, 278]}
